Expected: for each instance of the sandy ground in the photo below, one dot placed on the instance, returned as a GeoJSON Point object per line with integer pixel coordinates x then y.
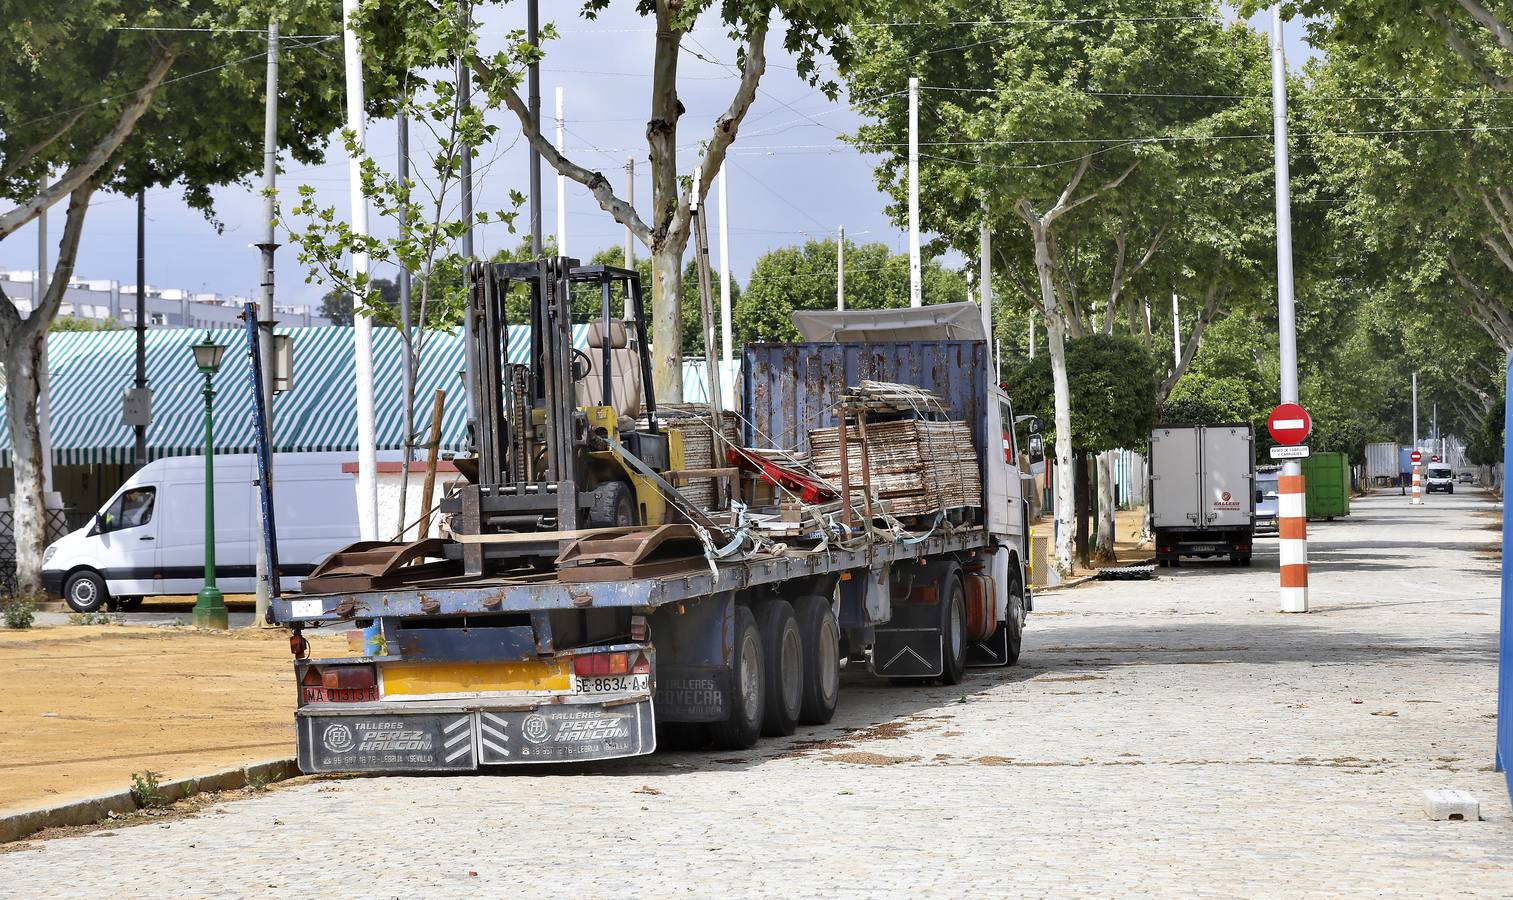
{"type": "Point", "coordinates": [90, 705]}
{"type": "Point", "coordinates": [1127, 546]}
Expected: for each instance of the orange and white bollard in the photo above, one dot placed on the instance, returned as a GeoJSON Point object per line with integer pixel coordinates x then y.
{"type": "Point", "coordinates": [1418, 490]}
{"type": "Point", "coordinates": [1292, 537]}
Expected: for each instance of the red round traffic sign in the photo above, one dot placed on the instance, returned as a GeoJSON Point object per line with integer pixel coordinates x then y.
{"type": "Point", "coordinates": [1416, 456]}
{"type": "Point", "coordinates": [1289, 424]}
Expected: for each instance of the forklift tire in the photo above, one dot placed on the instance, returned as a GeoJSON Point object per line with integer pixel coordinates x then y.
{"type": "Point", "coordinates": [783, 647]}
{"type": "Point", "coordinates": [743, 724]}
{"type": "Point", "coordinates": [614, 506]}
{"type": "Point", "coordinates": [822, 659]}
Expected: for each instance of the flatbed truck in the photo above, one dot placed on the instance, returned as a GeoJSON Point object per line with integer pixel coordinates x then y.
{"type": "Point", "coordinates": [477, 671]}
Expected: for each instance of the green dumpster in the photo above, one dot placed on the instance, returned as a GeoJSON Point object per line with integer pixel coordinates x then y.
{"type": "Point", "coordinates": [1327, 476]}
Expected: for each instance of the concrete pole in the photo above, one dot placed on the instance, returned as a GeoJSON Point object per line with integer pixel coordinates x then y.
{"type": "Point", "coordinates": [840, 268]}
{"type": "Point", "coordinates": [405, 313]}
{"type": "Point", "coordinates": [629, 255]}
{"type": "Point", "coordinates": [533, 101]}
{"type": "Point", "coordinates": [1032, 335]}
{"type": "Point", "coordinates": [985, 273]}
{"type": "Point", "coordinates": [45, 415]}
{"type": "Point", "coordinates": [265, 302]}
{"type": "Point", "coordinates": [470, 347]}
{"type": "Point", "coordinates": [916, 288]}
{"type": "Point", "coordinates": [561, 183]}
{"type": "Point", "coordinates": [141, 324]}
{"type": "Point", "coordinates": [362, 326]}
{"type": "Point", "coordinates": [727, 337]}
{"type": "Point", "coordinates": [1291, 504]}
{"type": "Point", "coordinates": [1415, 409]}
{"type": "Point", "coordinates": [1176, 332]}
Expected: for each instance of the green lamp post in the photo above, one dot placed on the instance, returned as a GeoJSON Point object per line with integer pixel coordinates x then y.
{"type": "Point", "coordinates": [210, 607]}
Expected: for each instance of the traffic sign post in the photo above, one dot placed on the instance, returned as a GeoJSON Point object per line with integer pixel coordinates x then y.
{"type": "Point", "coordinates": [1416, 457]}
{"type": "Point", "coordinates": [1289, 424]}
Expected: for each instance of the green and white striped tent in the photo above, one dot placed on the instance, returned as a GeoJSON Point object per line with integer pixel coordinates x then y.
{"type": "Point", "coordinates": [88, 371]}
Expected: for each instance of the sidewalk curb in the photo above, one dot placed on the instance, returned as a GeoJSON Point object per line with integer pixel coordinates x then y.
{"type": "Point", "coordinates": [1083, 579]}
{"type": "Point", "coordinates": [92, 809]}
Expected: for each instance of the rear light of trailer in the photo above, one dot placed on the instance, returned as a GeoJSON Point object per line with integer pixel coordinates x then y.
{"type": "Point", "coordinates": [618, 662]}
{"type": "Point", "coordinates": [339, 684]}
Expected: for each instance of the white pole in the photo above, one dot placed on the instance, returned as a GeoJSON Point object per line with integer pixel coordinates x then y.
{"type": "Point", "coordinates": [44, 387]}
{"type": "Point", "coordinates": [265, 300]}
{"type": "Point", "coordinates": [916, 295]}
{"type": "Point", "coordinates": [985, 273]}
{"type": "Point", "coordinates": [1176, 331]}
{"type": "Point", "coordinates": [1291, 495]}
{"type": "Point", "coordinates": [840, 268]}
{"type": "Point", "coordinates": [1032, 335]}
{"type": "Point", "coordinates": [629, 254]}
{"type": "Point", "coordinates": [561, 185]}
{"type": "Point", "coordinates": [727, 337]}
{"type": "Point", "coordinates": [362, 326]}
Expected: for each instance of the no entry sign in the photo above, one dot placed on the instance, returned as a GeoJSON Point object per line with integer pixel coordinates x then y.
{"type": "Point", "coordinates": [1289, 424]}
{"type": "Point", "coordinates": [1416, 456]}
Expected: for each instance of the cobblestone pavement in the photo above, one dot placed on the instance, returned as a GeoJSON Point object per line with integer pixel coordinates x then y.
{"type": "Point", "coordinates": [1174, 737]}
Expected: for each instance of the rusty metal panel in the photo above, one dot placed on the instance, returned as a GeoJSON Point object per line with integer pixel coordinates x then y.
{"type": "Point", "coordinates": [789, 390]}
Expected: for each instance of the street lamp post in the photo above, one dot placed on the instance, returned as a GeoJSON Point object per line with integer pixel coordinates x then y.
{"type": "Point", "coordinates": [210, 606]}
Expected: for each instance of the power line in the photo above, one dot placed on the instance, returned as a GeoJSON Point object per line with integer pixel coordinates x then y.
{"type": "Point", "coordinates": [1070, 21]}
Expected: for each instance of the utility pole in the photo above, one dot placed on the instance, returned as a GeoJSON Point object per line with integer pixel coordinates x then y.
{"type": "Point", "coordinates": [629, 256]}
{"type": "Point", "coordinates": [561, 183]}
{"type": "Point", "coordinates": [44, 416]}
{"type": "Point", "coordinates": [1292, 511]}
{"type": "Point", "coordinates": [916, 289]}
{"type": "Point", "coordinates": [533, 101]}
{"type": "Point", "coordinates": [469, 347]}
{"type": "Point", "coordinates": [1415, 409]}
{"type": "Point", "coordinates": [362, 326]}
{"type": "Point", "coordinates": [141, 382]}
{"type": "Point", "coordinates": [985, 274]}
{"type": "Point", "coordinates": [265, 304]}
{"type": "Point", "coordinates": [1177, 332]}
{"type": "Point", "coordinates": [840, 268]}
{"type": "Point", "coordinates": [1032, 335]}
{"type": "Point", "coordinates": [403, 123]}
{"type": "Point", "coordinates": [727, 340]}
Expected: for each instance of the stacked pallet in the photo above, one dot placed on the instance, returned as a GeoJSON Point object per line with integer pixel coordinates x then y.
{"type": "Point", "coordinates": [701, 450]}
{"type": "Point", "coordinates": [915, 466]}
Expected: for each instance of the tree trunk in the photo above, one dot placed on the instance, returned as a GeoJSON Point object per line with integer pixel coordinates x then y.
{"type": "Point", "coordinates": [23, 362]}
{"type": "Point", "coordinates": [1107, 505]}
{"type": "Point", "coordinates": [1055, 334]}
{"type": "Point", "coordinates": [667, 321]}
{"type": "Point", "coordinates": [1084, 507]}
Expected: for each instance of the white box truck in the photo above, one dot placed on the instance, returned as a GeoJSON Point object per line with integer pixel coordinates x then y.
{"type": "Point", "coordinates": [1202, 492]}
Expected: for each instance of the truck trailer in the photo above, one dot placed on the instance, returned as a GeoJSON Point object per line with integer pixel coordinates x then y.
{"type": "Point", "coordinates": [1202, 492]}
{"type": "Point", "coordinates": [577, 606]}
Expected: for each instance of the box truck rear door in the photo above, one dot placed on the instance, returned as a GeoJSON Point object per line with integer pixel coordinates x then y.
{"type": "Point", "coordinates": [1228, 496]}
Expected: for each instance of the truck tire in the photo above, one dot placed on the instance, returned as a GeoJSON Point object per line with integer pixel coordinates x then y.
{"type": "Point", "coordinates": [822, 659]}
{"type": "Point", "coordinates": [84, 591]}
{"type": "Point", "coordinates": [743, 724]}
{"type": "Point", "coordinates": [614, 506]}
{"type": "Point", "coordinates": [1014, 621]}
{"type": "Point", "coordinates": [783, 660]}
{"type": "Point", "coordinates": [953, 628]}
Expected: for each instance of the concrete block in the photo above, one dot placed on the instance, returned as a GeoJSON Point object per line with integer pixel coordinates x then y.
{"type": "Point", "coordinates": [1450, 804]}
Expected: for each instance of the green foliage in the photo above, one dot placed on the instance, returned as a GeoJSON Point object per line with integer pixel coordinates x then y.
{"type": "Point", "coordinates": [1113, 391]}
{"type": "Point", "coordinates": [146, 790]}
{"type": "Point", "coordinates": [336, 305]}
{"type": "Point", "coordinates": [803, 277]}
{"type": "Point", "coordinates": [93, 618]}
{"type": "Point", "coordinates": [79, 323]}
{"type": "Point", "coordinates": [18, 612]}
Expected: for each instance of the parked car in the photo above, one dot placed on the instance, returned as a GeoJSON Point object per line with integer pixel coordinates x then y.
{"type": "Point", "coordinates": [1266, 497]}
{"type": "Point", "coordinates": [1466, 478]}
{"type": "Point", "coordinates": [1439, 477]}
{"type": "Point", "coordinates": [150, 537]}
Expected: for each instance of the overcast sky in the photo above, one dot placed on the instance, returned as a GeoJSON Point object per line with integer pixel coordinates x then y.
{"type": "Point", "coordinates": [789, 177]}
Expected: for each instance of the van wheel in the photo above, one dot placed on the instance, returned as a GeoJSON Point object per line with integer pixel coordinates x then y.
{"type": "Point", "coordinates": [84, 591]}
{"type": "Point", "coordinates": [822, 659]}
{"type": "Point", "coordinates": [784, 658]}
{"type": "Point", "coordinates": [743, 724]}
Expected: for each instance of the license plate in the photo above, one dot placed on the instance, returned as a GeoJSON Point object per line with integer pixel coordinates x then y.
{"type": "Point", "coordinates": [1203, 548]}
{"type": "Point", "coordinates": [611, 684]}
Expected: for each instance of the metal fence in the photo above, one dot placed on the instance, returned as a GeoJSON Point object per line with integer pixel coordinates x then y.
{"type": "Point", "coordinates": [59, 523]}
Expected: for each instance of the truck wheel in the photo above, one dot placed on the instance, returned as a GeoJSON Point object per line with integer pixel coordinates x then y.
{"type": "Point", "coordinates": [1014, 622]}
{"type": "Point", "coordinates": [84, 591]}
{"type": "Point", "coordinates": [783, 647]}
{"type": "Point", "coordinates": [743, 724]}
{"type": "Point", "coordinates": [822, 659]}
{"type": "Point", "coordinates": [614, 506]}
{"type": "Point", "coordinates": [953, 629]}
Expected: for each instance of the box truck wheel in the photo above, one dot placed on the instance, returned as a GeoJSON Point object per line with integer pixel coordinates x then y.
{"type": "Point", "coordinates": [743, 723]}
{"type": "Point", "coordinates": [84, 591]}
{"type": "Point", "coordinates": [783, 652]}
{"type": "Point", "coordinates": [953, 628]}
{"type": "Point", "coordinates": [1014, 623]}
{"type": "Point", "coordinates": [822, 659]}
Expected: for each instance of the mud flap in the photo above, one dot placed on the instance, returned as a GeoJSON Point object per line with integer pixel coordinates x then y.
{"type": "Point", "coordinates": [990, 652]}
{"type": "Point", "coordinates": [693, 641]}
{"type": "Point", "coordinates": [908, 653]}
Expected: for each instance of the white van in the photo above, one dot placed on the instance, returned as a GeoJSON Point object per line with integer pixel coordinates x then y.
{"type": "Point", "coordinates": [150, 537]}
{"type": "Point", "coordinates": [1439, 477]}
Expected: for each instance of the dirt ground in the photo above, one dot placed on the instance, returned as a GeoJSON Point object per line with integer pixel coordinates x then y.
{"type": "Point", "coordinates": [88, 705]}
{"type": "Point", "coordinates": [1127, 546]}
